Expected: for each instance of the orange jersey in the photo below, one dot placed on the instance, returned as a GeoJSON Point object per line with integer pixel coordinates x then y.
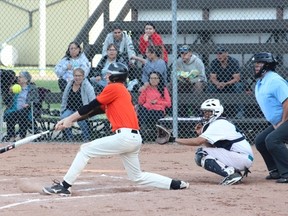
{"type": "Point", "coordinates": [118, 106]}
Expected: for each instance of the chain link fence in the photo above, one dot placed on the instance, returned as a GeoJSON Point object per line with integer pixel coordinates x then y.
{"type": "Point", "coordinates": [196, 49]}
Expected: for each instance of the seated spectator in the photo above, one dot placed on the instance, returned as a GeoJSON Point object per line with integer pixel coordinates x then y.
{"type": "Point", "coordinates": [77, 93]}
{"type": "Point", "coordinates": [153, 101]}
{"type": "Point", "coordinates": [190, 71]}
{"type": "Point", "coordinates": [225, 76]}
{"type": "Point", "coordinates": [7, 79]}
{"type": "Point", "coordinates": [123, 43]}
{"type": "Point", "coordinates": [191, 78]}
{"type": "Point", "coordinates": [97, 75]}
{"type": "Point", "coordinates": [225, 73]}
{"type": "Point", "coordinates": [154, 62]}
{"type": "Point", "coordinates": [74, 58]}
{"type": "Point", "coordinates": [151, 38]}
{"type": "Point", "coordinates": [19, 109]}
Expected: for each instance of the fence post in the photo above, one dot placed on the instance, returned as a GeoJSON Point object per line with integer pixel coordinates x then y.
{"type": "Point", "coordinates": [174, 60]}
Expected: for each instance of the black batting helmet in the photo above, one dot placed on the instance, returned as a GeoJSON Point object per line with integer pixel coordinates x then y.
{"type": "Point", "coordinates": [269, 62]}
{"type": "Point", "coordinates": [118, 71]}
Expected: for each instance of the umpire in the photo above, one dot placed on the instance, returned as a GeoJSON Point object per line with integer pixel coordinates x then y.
{"type": "Point", "coordinates": [271, 93]}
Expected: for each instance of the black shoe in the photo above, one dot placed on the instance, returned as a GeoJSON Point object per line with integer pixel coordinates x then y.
{"type": "Point", "coordinates": [57, 188]}
{"type": "Point", "coordinates": [273, 175]}
{"type": "Point", "coordinates": [178, 185]}
{"type": "Point", "coordinates": [232, 179]}
{"type": "Point", "coordinates": [6, 139]}
{"type": "Point", "coordinates": [282, 180]}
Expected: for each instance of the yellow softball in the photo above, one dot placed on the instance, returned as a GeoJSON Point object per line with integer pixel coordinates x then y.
{"type": "Point", "coordinates": [16, 88]}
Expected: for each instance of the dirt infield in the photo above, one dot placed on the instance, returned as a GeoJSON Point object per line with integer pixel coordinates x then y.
{"type": "Point", "coordinates": [103, 188]}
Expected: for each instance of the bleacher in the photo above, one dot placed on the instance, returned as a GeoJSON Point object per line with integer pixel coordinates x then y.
{"type": "Point", "coordinates": [244, 27]}
{"type": "Point", "coordinates": [202, 33]}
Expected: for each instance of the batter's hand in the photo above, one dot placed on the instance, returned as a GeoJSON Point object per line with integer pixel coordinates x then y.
{"type": "Point", "coordinates": [63, 124]}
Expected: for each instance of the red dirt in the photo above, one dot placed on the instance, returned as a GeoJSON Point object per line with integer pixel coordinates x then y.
{"type": "Point", "coordinates": [103, 188]}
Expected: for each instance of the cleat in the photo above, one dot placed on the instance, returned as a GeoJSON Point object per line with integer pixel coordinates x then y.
{"type": "Point", "coordinates": [232, 179]}
{"type": "Point", "coordinates": [184, 185]}
{"type": "Point", "coordinates": [178, 185]}
{"type": "Point", "coordinates": [57, 188]}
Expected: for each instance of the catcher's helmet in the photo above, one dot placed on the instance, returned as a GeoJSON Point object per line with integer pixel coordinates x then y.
{"type": "Point", "coordinates": [213, 105]}
{"type": "Point", "coordinates": [269, 62]}
{"type": "Point", "coordinates": [118, 71]}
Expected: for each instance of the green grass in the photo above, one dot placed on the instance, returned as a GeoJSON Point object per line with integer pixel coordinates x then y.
{"type": "Point", "coordinates": [47, 80]}
{"type": "Point", "coordinates": [53, 106]}
{"type": "Point", "coordinates": [49, 84]}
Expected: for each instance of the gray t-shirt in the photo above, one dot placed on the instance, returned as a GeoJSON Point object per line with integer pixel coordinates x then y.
{"type": "Point", "coordinates": [159, 65]}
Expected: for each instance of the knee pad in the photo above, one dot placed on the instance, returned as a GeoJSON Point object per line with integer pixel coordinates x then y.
{"type": "Point", "coordinates": [199, 154]}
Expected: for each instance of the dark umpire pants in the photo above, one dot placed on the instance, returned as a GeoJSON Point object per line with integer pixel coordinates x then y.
{"type": "Point", "coordinates": [271, 145]}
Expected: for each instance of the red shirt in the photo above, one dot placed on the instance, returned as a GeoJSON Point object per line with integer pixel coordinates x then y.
{"type": "Point", "coordinates": [118, 106]}
{"type": "Point", "coordinates": [157, 41]}
{"type": "Point", "coordinates": [152, 93]}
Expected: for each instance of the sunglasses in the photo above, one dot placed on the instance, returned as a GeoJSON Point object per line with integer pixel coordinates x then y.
{"type": "Point", "coordinates": [183, 50]}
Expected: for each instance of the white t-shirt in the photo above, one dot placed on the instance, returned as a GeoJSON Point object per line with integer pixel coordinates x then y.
{"type": "Point", "coordinates": [221, 129]}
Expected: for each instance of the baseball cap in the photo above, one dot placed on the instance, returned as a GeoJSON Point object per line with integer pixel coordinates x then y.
{"type": "Point", "coordinates": [185, 49]}
{"type": "Point", "coordinates": [221, 49]}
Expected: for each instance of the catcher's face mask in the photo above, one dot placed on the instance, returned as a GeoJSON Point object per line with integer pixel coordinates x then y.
{"type": "Point", "coordinates": [207, 115]}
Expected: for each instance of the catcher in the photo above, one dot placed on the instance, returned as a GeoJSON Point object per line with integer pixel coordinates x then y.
{"type": "Point", "coordinates": [226, 151]}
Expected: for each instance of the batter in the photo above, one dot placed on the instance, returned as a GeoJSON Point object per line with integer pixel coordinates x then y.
{"type": "Point", "coordinates": [126, 142]}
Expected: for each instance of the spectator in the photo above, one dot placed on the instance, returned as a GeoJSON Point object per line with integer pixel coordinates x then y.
{"type": "Point", "coordinates": [73, 58]}
{"type": "Point", "coordinates": [154, 62]}
{"type": "Point", "coordinates": [122, 42]}
{"type": "Point", "coordinates": [151, 38]}
{"type": "Point", "coordinates": [7, 79]}
{"type": "Point", "coordinates": [78, 92]}
{"type": "Point", "coordinates": [225, 73]}
{"type": "Point", "coordinates": [190, 71]}
{"type": "Point", "coordinates": [271, 93]}
{"type": "Point", "coordinates": [225, 76]}
{"type": "Point", "coordinates": [153, 102]}
{"type": "Point", "coordinates": [19, 109]}
{"type": "Point", "coordinates": [191, 78]}
{"type": "Point", "coordinates": [97, 75]}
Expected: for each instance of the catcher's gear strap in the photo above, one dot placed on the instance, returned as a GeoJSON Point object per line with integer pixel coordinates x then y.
{"type": "Point", "coordinates": [246, 171]}
{"type": "Point", "coordinates": [227, 144]}
{"type": "Point", "coordinates": [88, 107]}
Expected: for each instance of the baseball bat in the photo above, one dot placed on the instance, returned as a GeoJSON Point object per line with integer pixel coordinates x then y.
{"type": "Point", "coordinates": [23, 141]}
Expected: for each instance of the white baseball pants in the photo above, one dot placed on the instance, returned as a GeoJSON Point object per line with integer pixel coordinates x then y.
{"type": "Point", "coordinates": [126, 143]}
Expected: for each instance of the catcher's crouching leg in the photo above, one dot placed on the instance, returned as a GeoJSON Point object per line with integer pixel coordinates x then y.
{"type": "Point", "coordinates": [211, 164]}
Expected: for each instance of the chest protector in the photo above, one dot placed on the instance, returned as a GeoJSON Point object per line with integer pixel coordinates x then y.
{"type": "Point", "coordinates": [226, 144]}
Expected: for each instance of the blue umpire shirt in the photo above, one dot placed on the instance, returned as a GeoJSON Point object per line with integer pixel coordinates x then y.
{"type": "Point", "coordinates": [271, 91]}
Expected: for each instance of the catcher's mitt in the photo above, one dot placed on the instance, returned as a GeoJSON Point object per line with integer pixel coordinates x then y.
{"type": "Point", "coordinates": [164, 135]}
